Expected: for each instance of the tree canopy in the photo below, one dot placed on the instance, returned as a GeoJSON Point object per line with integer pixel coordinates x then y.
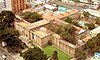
{"type": "Point", "coordinates": [76, 0]}
{"type": "Point", "coordinates": [34, 54]}
{"type": "Point", "coordinates": [86, 14]}
{"type": "Point", "coordinates": [65, 31]}
{"type": "Point", "coordinates": [31, 16]}
{"type": "Point", "coordinates": [69, 20]}
{"type": "Point", "coordinates": [7, 19]}
{"type": "Point", "coordinates": [90, 25]}
{"type": "Point", "coordinates": [90, 48]}
{"type": "Point", "coordinates": [7, 32]}
{"type": "Point", "coordinates": [97, 19]}
{"type": "Point", "coordinates": [93, 45]}
{"type": "Point", "coordinates": [55, 55]}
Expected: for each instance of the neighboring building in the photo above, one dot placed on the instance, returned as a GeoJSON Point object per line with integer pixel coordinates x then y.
{"type": "Point", "coordinates": [95, 31]}
{"type": "Point", "coordinates": [13, 5]}
{"type": "Point", "coordinates": [95, 5]}
{"type": "Point", "coordinates": [18, 5]}
{"type": "Point", "coordinates": [84, 1]}
{"type": "Point", "coordinates": [93, 12]}
{"type": "Point", "coordinates": [96, 0]}
{"type": "Point", "coordinates": [5, 5]}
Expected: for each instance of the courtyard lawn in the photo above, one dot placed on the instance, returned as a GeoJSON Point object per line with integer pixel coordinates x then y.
{"type": "Point", "coordinates": [61, 55]}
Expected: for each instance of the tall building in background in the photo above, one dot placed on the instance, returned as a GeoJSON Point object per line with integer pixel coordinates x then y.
{"type": "Point", "coordinates": [18, 5]}
{"type": "Point", "coordinates": [13, 5]}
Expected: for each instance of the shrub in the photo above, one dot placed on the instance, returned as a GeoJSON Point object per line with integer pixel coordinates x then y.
{"type": "Point", "coordinates": [97, 19]}
{"type": "Point", "coordinates": [31, 16]}
{"type": "Point", "coordinates": [68, 19]}
{"type": "Point", "coordinates": [90, 26]}
{"type": "Point", "coordinates": [86, 14]}
{"type": "Point", "coordinates": [75, 23]}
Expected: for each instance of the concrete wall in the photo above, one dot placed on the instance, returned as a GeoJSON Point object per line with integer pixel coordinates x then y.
{"type": "Point", "coordinates": [45, 40]}
{"type": "Point", "coordinates": [62, 45]}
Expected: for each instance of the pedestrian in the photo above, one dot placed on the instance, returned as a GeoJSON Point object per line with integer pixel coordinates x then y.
{"type": "Point", "coordinates": [4, 56]}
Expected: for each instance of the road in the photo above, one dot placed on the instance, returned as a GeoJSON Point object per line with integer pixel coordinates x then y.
{"type": "Point", "coordinates": [9, 57]}
{"type": "Point", "coordinates": [68, 5]}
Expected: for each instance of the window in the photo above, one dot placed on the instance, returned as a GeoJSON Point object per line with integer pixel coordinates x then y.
{"type": "Point", "coordinates": [32, 36]}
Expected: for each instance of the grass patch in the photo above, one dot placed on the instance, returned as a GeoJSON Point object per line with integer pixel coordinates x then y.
{"type": "Point", "coordinates": [61, 55]}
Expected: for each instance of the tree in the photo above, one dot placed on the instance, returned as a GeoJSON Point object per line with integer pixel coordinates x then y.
{"type": "Point", "coordinates": [31, 16]}
{"type": "Point", "coordinates": [7, 33]}
{"type": "Point", "coordinates": [7, 18]}
{"type": "Point", "coordinates": [86, 14]}
{"type": "Point", "coordinates": [55, 55]}
{"type": "Point", "coordinates": [76, 0]}
{"type": "Point", "coordinates": [90, 25]}
{"type": "Point", "coordinates": [65, 31]}
{"type": "Point", "coordinates": [34, 54]}
{"type": "Point", "coordinates": [75, 23]}
{"type": "Point", "coordinates": [97, 19]}
{"type": "Point", "coordinates": [80, 54]}
{"type": "Point", "coordinates": [93, 45]}
{"type": "Point", "coordinates": [89, 0]}
{"type": "Point", "coordinates": [68, 19]}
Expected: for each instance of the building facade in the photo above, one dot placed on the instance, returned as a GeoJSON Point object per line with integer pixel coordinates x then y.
{"type": "Point", "coordinates": [18, 5]}
{"type": "Point", "coordinates": [13, 5]}
{"type": "Point", "coordinates": [41, 36]}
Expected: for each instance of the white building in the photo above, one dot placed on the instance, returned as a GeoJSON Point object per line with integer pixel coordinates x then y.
{"type": "Point", "coordinates": [95, 31]}
{"type": "Point", "coordinates": [5, 5]}
{"type": "Point", "coordinates": [93, 12]}
{"type": "Point", "coordinates": [84, 1]}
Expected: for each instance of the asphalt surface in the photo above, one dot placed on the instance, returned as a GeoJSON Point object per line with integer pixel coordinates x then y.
{"type": "Point", "coordinates": [9, 57]}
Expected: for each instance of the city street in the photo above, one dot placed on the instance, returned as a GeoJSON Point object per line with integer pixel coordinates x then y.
{"type": "Point", "coordinates": [9, 57]}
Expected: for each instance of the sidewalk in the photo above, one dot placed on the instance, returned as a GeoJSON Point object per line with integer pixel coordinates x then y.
{"type": "Point", "coordinates": [6, 52]}
{"type": "Point", "coordinates": [17, 57]}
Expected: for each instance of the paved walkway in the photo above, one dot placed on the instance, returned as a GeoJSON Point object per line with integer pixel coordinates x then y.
{"type": "Point", "coordinates": [3, 51]}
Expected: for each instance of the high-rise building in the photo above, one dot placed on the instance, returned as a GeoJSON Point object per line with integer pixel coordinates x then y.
{"type": "Point", "coordinates": [18, 5]}
{"type": "Point", "coordinates": [13, 5]}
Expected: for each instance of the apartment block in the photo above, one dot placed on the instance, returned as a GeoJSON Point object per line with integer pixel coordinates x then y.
{"type": "Point", "coordinates": [18, 5]}
{"type": "Point", "coordinates": [13, 5]}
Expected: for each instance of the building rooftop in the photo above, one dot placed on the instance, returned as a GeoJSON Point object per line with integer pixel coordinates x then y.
{"type": "Point", "coordinates": [41, 34]}
{"type": "Point", "coordinates": [86, 38]}
{"type": "Point", "coordinates": [23, 24]}
{"type": "Point", "coordinates": [93, 12]}
{"type": "Point", "coordinates": [37, 24]}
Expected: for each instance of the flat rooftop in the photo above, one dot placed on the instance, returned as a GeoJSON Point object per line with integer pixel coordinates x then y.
{"type": "Point", "coordinates": [42, 32]}
{"type": "Point", "coordinates": [37, 24]}
{"type": "Point", "coordinates": [23, 24]}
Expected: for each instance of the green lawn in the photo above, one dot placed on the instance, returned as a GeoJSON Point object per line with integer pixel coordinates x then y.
{"type": "Point", "coordinates": [61, 55]}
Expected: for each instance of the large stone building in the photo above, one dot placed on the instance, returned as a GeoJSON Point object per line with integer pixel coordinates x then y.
{"type": "Point", "coordinates": [42, 36]}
